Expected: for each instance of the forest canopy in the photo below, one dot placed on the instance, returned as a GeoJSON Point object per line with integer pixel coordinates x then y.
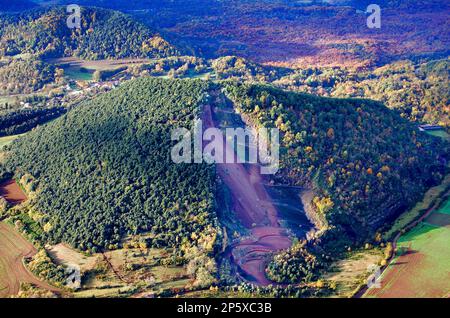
{"type": "Point", "coordinates": [365, 162]}
{"type": "Point", "coordinates": [103, 170]}
{"type": "Point", "coordinates": [103, 34]}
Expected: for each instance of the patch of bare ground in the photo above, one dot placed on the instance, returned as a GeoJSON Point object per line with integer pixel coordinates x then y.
{"type": "Point", "coordinates": [62, 254]}
{"type": "Point", "coordinates": [12, 192]}
{"type": "Point", "coordinates": [125, 272]}
{"type": "Point", "coordinates": [352, 271]}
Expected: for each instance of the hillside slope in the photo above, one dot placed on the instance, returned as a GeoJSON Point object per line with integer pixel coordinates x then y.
{"type": "Point", "coordinates": [104, 171]}
{"type": "Point", "coordinates": [103, 34]}
{"type": "Point", "coordinates": [365, 162]}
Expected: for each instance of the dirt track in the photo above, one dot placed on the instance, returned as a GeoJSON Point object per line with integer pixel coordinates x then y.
{"type": "Point", "coordinates": [255, 211]}
{"type": "Point", "coordinates": [13, 249]}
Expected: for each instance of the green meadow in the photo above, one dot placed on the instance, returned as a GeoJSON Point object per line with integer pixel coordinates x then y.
{"type": "Point", "coordinates": [8, 139]}
{"type": "Point", "coordinates": [78, 74]}
{"type": "Point", "coordinates": [445, 208]}
{"type": "Point", "coordinates": [439, 133]}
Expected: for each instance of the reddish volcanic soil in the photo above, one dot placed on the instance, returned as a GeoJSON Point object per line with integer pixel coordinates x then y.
{"type": "Point", "coordinates": [12, 193]}
{"type": "Point", "coordinates": [255, 211]}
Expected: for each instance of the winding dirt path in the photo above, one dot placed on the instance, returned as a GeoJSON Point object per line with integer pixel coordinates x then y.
{"type": "Point", "coordinates": [256, 212]}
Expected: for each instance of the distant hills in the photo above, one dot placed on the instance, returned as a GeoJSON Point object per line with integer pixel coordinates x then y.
{"type": "Point", "coordinates": [297, 33]}
{"type": "Point", "coordinates": [103, 34]}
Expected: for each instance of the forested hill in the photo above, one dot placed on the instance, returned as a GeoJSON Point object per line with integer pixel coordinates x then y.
{"type": "Point", "coordinates": [103, 34]}
{"type": "Point", "coordinates": [365, 163]}
{"type": "Point", "coordinates": [104, 171]}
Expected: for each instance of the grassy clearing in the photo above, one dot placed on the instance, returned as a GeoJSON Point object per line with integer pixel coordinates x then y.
{"type": "Point", "coordinates": [351, 272]}
{"type": "Point", "coordinates": [62, 254]}
{"type": "Point", "coordinates": [104, 293]}
{"type": "Point", "coordinates": [78, 74]}
{"type": "Point", "coordinates": [432, 196]}
{"type": "Point", "coordinates": [98, 65]}
{"type": "Point", "coordinates": [439, 133]}
{"type": "Point", "coordinates": [123, 272]}
{"type": "Point", "coordinates": [6, 100]}
{"type": "Point", "coordinates": [8, 139]}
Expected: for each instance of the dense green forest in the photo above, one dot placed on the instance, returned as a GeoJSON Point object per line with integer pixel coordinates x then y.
{"type": "Point", "coordinates": [23, 76]}
{"type": "Point", "coordinates": [103, 34]}
{"type": "Point", "coordinates": [417, 90]}
{"type": "Point", "coordinates": [19, 121]}
{"type": "Point", "coordinates": [104, 171]}
{"type": "Point", "coordinates": [365, 163]}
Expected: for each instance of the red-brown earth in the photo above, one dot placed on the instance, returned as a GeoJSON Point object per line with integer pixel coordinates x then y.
{"type": "Point", "coordinates": [255, 210]}
{"type": "Point", "coordinates": [12, 193]}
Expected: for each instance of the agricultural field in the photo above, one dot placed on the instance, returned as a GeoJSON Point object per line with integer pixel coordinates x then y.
{"type": "Point", "coordinates": [13, 248]}
{"type": "Point", "coordinates": [421, 267]}
{"type": "Point", "coordinates": [83, 70]}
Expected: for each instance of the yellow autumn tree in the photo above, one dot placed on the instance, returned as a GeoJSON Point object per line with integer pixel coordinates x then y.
{"type": "Point", "coordinates": [323, 204]}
